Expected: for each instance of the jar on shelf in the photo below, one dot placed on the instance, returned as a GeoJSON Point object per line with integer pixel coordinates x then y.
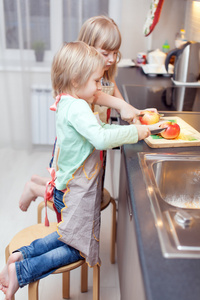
{"type": "Point", "coordinates": [180, 38]}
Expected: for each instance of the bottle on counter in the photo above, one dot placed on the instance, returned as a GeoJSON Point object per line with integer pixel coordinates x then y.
{"type": "Point", "coordinates": [180, 38]}
{"type": "Point", "coordinates": [165, 47]}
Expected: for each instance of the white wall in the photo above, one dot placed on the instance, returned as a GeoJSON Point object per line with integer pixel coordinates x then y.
{"type": "Point", "coordinates": [132, 21]}
{"type": "Point", "coordinates": [172, 19]}
{"type": "Point", "coordinates": [192, 22]}
{"type": "Point", "coordinates": [15, 95]}
{"type": "Point", "coordinates": [134, 13]}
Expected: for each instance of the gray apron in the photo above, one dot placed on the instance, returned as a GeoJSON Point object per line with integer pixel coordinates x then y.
{"type": "Point", "coordinates": [80, 225]}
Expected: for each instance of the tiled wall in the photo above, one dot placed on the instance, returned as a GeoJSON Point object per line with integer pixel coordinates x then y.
{"type": "Point", "coordinates": [192, 22]}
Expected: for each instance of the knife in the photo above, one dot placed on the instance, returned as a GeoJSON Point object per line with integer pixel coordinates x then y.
{"type": "Point", "coordinates": [143, 113]}
{"type": "Point", "coordinates": [156, 131]}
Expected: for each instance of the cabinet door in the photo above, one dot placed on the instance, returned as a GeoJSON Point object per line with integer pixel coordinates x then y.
{"type": "Point", "coordinates": [130, 277]}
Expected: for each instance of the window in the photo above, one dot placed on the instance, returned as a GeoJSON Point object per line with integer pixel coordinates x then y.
{"type": "Point", "coordinates": [28, 20]}
{"type": "Point", "coordinates": [76, 12]}
{"type": "Point", "coordinates": [24, 22]}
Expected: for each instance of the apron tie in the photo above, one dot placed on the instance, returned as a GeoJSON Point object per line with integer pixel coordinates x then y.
{"type": "Point", "coordinates": [54, 106]}
{"type": "Point", "coordinates": [48, 195]}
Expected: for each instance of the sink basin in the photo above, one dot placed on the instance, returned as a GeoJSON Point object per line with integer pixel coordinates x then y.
{"type": "Point", "coordinates": [178, 181]}
{"type": "Point", "coordinates": [173, 186]}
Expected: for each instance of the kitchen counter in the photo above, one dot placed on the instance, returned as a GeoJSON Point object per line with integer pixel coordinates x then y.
{"type": "Point", "coordinates": [135, 75]}
{"type": "Point", "coordinates": [163, 278]}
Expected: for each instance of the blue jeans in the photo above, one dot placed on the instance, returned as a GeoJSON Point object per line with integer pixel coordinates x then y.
{"type": "Point", "coordinates": [58, 199]}
{"type": "Point", "coordinates": [43, 256]}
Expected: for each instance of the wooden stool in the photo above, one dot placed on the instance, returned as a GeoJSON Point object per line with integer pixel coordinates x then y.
{"type": "Point", "coordinates": [29, 234]}
{"type": "Point", "coordinates": [107, 199]}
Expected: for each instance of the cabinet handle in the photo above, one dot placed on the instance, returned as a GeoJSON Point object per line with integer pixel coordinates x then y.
{"type": "Point", "coordinates": [114, 120]}
{"type": "Point", "coordinates": [129, 205]}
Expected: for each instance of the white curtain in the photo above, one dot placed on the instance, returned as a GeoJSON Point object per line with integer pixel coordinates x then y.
{"type": "Point", "coordinates": [25, 24]}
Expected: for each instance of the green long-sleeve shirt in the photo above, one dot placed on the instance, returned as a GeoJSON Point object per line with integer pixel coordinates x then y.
{"type": "Point", "coordinates": [79, 132]}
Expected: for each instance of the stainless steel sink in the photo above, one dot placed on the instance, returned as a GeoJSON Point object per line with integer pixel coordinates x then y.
{"type": "Point", "coordinates": [173, 185]}
{"type": "Point", "coordinates": [178, 181]}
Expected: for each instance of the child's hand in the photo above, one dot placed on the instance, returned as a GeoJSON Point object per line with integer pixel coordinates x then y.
{"type": "Point", "coordinates": [143, 131]}
{"type": "Point", "coordinates": [149, 109]}
{"type": "Point", "coordinates": [129, 113]}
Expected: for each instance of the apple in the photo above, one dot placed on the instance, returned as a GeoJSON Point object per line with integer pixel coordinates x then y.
{"type": "Point", "coordinates": [172, 131]}
{"type": "Point", "coordinates": [149, 117]}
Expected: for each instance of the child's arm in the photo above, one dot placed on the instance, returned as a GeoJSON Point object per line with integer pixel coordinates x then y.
{"type": "Point", "coordinates": [103, 136]}
{"type": "Point", "coordinates": [117, 92]}
{"type": "Point", "coordinates": [143, 131]}
{"type": "Point", "coordinates": [128, 112]}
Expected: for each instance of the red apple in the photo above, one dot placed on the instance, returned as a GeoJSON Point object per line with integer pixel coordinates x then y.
{"type": "Point", "coordinates": [149, 117]}
{"type": "Point", "coordinates": [172, 131]}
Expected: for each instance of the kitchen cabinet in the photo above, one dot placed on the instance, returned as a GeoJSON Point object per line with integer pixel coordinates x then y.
{"type": "Point", "coordinates": [130, 277]}
{"type": "Point", "coordinates": [144, 273]}
{"type": "Point", "coordinates": [143, 270]}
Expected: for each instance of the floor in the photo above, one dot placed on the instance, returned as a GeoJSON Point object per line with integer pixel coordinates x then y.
{"type": "Point", "coordinates": [17, 168]}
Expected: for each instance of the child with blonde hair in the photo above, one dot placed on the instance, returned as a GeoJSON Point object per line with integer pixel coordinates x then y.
{"type": "Point", "coordinates": [102, 33]}
{"type": "Point", "coordinates": [77, 70]}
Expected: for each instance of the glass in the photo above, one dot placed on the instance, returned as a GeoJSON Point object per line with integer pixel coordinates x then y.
{"type": "Point", "coordinates": [11, 26]}
{"type": "Point", "coordinates": [76, 12]}
{"type": "Point", "coordinates": [27, 21]}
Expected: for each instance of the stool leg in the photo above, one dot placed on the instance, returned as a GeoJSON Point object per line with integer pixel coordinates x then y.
{"type": "Point", "coordinates": [96, 282]}
{"type": "Point", "coordinates": [84, 278]}
{"type": "Point", "coordinates": [7, 253]}
{"type": "Point", "coordinates": [66, 285]}
{"type": "Point", "coordinates": [113, 232]}
{"type": "Point", "coordinates": [39, 211]}
{"type": "Point", "coordinates": [33, 290]}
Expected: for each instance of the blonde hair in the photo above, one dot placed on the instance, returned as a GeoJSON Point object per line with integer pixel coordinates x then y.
{"type": "Point", "coordinates": [75, 62]}
{"type": "Point", "coordinates": [102, 32]}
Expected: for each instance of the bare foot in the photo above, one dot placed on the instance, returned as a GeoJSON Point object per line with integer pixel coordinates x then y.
{"type": "Point", "coordinates": [3, 288]}
{"type": "Point", "coordinates": [27, 196]}
{"type": "Point", "coordinates": [31, 191]}
{"type": "Point", "coordinates": [4, 275]}
{"type": "Point", "coordinates": [4, 279]}
{"type": "Point", "coordinates": [13, 282]}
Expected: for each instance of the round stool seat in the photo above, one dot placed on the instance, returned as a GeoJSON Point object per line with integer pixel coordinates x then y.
{"type": "Point", "coordinates": [29, 234]}
{"type": "Point", "coordinates": [105, 199]}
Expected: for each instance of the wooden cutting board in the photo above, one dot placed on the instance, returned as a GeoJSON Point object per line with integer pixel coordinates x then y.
{"type": "Point", "coordinates": [188, 136]}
